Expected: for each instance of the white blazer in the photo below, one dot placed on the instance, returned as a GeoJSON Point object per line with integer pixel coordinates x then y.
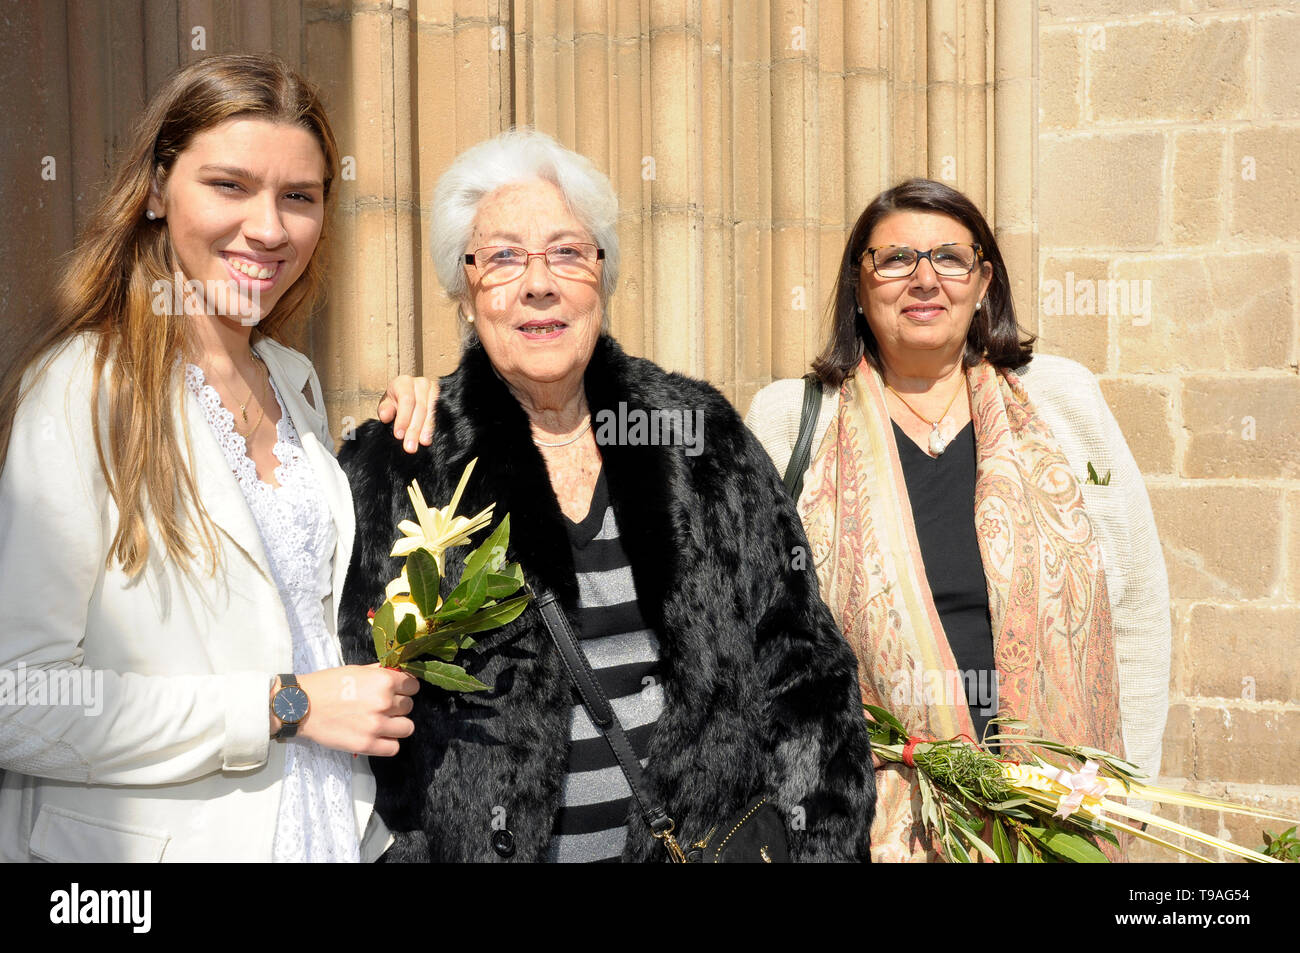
{"type": "Point", "coordinates": [167, 755]}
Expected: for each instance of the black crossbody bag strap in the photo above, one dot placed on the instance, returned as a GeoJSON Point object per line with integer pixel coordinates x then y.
{"type": "Point", "coordinates": [802, 453]}
{"type": "Point", "coordinates": [602, 715]}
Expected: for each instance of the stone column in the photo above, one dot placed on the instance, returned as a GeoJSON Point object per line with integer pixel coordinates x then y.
{"type": "Point", "coordinates": [1015, 98]}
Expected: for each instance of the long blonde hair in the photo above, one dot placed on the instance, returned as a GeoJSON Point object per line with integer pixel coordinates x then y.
{"type": "Point", "coordinates": [106, 288]}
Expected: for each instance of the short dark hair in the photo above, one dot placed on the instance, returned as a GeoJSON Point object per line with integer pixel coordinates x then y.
{"type": "Point", "coordinates": [994, 334]}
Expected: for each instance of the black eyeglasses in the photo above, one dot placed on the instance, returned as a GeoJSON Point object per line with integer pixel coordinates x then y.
{"type": "Point", "coordinates": [500, 264]}
{"type": "Point", "coordinates": [951, 260]}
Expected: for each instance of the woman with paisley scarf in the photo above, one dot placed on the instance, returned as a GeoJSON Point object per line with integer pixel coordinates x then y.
{"type": "Point", "coordinates": [972, 563]}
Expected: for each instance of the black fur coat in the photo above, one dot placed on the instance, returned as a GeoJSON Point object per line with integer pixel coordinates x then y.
{"type": "Point", "coordinates": [760, 688]}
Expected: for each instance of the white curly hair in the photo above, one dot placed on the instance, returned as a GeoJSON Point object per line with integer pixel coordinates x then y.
{"type": "Point", "coordinates": [513, 156]}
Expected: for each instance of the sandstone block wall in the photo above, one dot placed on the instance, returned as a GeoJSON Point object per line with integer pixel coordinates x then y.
{"type": "Point", "coordinates": [1168, 156]}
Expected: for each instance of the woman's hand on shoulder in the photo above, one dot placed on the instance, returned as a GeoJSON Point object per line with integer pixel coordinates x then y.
{"type": "Point", "coordinates": [359, 708]}
{"type": "Point", "coordinates": [409, 405]}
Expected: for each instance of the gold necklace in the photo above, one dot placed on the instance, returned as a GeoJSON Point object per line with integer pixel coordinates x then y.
{"type": "Point", "coordinates": [243, 408]}
{"type": "Point", "coordinates": [938, 443]}
{"type": "Point", "coordinates": [248, 436]}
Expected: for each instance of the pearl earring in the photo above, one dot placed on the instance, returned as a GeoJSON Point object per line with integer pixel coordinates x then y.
{"type": "Point", "coordinates": [978, 305]}
{"type": "Point", "coordinates": [150, 214]}
{"type": "Point", "coordinates": [860, 311]}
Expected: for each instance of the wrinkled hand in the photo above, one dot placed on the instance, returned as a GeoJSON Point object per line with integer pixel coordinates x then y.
{"type": "Point", "coordinates": [359, 708]}
{"type": "Point", "coordinates": [409, 405]}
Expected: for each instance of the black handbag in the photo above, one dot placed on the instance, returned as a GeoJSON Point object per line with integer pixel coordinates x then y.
{"type": "Point", "coordinates": [756, 835]}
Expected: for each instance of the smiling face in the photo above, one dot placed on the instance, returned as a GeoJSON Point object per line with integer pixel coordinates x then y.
{"type": "Point", "coordinates": [920, 322]}
{"type": "Point", "coordinates": [243, 205]}
{"type": "Point", "coordinates": [539, 328]}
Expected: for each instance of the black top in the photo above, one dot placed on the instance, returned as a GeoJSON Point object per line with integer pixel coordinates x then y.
{"type": "Point", "coordinates": [942, 491]}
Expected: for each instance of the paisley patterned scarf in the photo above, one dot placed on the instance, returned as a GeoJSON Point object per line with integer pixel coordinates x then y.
{"type": "Point", "coordinates": [1050, 614]}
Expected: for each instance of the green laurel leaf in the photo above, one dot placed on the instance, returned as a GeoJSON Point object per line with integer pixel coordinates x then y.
{"type": "Point", "coordinates": [422, 574]}
{"type": "Point", "coordinates": [445, 675]}
{"type": "Point", "coordinates": [465, 599]}
{"type": "Point", "coordinates": [1068, 847]}
{"type": "Point", "coordinates": [405, 630]}
{"type": "Point", "coordinates": [384, 631]}
{"type": "Point", "coordinates": [1002, 844]}
{"type": "Point", "coordinates": [883, 717]}
{"type": "Point", "coordinates": [505, 582]}
{"type": "Point", "coordinates": [492, 554]}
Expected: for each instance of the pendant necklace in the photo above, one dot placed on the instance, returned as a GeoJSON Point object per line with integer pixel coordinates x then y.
{"type": "Point", "coordinates": [938, 443]}
{"type": "Point", "coordinates": [243, 407]}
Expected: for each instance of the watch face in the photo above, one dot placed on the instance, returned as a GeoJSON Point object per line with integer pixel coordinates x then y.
{"type": "Point", "coordinates": [290, 705]}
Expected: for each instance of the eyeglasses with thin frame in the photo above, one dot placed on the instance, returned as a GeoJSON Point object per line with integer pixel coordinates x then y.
{"type": "Point", "coordinates": [952, 260]}
{"type": "Point", "coordinates": [499, 264]}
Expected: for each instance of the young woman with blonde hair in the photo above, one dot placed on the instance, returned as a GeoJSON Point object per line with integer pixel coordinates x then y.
{"type": "Point", "coordinates": [174, 529]}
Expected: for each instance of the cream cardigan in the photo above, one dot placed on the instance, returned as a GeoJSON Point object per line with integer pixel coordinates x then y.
{"type": "Point", "coordinates": [1067, 396]}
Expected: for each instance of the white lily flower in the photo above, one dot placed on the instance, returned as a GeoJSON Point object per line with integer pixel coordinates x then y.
{"type": "Point", "coordinates": [439, 529]}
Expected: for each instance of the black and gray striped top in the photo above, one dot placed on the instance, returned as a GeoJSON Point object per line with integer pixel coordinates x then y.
{"type": "Point", "coordinates": [624, 655]}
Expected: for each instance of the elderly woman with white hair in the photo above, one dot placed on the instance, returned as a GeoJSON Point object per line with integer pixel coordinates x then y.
{"type": "Point", "coordinates": [651, 523]}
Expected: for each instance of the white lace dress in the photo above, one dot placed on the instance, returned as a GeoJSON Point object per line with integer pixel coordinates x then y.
{"type": "Point", "coordinates": [316, 822]}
